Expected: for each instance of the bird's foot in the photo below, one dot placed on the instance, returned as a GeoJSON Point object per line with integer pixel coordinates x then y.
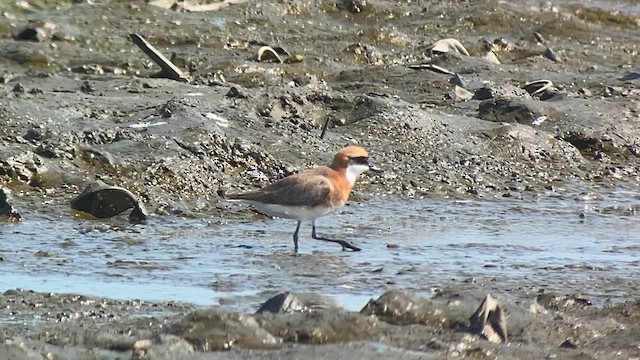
{"type": "Point", "coordinates": [345, 245]}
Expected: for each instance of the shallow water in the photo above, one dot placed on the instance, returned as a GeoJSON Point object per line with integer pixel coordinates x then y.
{"type": "Point", "coordinates": [582, 244]}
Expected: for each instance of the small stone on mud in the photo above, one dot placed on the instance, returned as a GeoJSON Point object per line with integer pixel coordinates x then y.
{"type": "Point", "coordinates": [551, 55]}
{"type": "Point", "coordinates": [235, 93]}
{"type": "Point", "coordinates": [457, 80]}
{"type": "Point", "coordinates": [461, 94]}
{"type": "Point", "coordinates": [33, 135]}
{"type": "Point", "coordinates": [18, 88]}
{"type": "Point", "coordinates": [568, 344]}
{"type": "Point", "coordinates": [86, 87]}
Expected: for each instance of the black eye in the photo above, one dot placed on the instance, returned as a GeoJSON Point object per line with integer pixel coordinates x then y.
{"type": "Point", "coordinates": [360, 160]}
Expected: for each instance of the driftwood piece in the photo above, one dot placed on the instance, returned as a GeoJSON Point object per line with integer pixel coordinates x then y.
{"type": "Point", "coordinates": [169, 70]}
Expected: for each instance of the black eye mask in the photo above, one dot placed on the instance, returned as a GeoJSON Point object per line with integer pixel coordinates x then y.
{"type": "Point", "coordinates": [364, 160]}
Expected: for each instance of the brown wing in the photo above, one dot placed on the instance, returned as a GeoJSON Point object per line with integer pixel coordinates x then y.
{"type": "Point", "coordinates": [293, 190]}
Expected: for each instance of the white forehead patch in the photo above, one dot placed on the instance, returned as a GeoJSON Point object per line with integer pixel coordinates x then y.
{"type": "Point", "coordinates": [354, 170]}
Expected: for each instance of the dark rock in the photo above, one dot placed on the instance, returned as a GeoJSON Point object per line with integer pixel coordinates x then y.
{"type": "Point", "coordinates": [483, 93]}
{"type": "Point", "coordinates": [33, 135]}
{"type": "Point", "coordinates": [36, 32]}
{"type": "Point", "coordinates": [234, 93]}
{"type": "Point", "coordinates": [7, 211]}
{"type": "Point", "coordinates": [18, 88]}
{"type": "Point", "coordinates": [568, 344]}
{"type": "Point", "coordinates": [86, 87]}
{"type": "Point", "coordinates": [552, 94]}
{"type": "Point", "coordinates": [457, 80]}
{"type": "Point", "coordinates": [103, 201]}
{"type": "Point", "coordinates": [631, 76]}
{"type": "Point", "coordinates": [354, 6]}
{"type": "Point", "coordinates": [139, 214]}
{"type": "Point", "coordinates": [46, 150]}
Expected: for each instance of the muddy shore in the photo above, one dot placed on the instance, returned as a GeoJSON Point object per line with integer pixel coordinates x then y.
{"type": "Point", "coordinates": [77, 104]}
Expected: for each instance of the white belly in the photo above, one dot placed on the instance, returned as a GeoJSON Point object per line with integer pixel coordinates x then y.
{"type": "Point", "coordinates": [294, 212]}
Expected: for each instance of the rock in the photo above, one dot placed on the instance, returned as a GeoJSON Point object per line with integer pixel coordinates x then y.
{"type": "Point", "coordinates": [322, 327]}
{"type": "Point", "coordinates": [555, 302]}
{"type": "Point", "coordinates": [18, 88]}
{"type": "Point", "coordinates": [490, 91]}
{"type": "Point", "coordinates": [402, 307]}
{"type": "Point", "coordinates": [103, 201]}
{"type": "Point", "coordinates": [459, 81]}
{"type": "Point", "coordinates": [511, 110]}
{"type": "Point", "coordinates": [213, 330]}
{"type": "Point", "coordinates": [162, 346]}
{"type": "Point", "coordinates": [568, 344]}
{"type": "Point", "coordinates": [96, 157]}
{"type": "Point", "coordinates": [461, 94]}
{"type": "Point", "coordinates": [32, 135]}
{"type": "Point", "coordinates": [551, 55]}
{"type": "Point", "coordinates": [7, 211]}
{"type": "Point", "coordinates": [490, 321]}
{"type": "Point", "coordinates": [36, 32]}
{"type": "Point", "coordinates": [491, 57]}
{"type": "Point", "coordinates": [288, 302]}
{"type": "Point", "coordinates": [282, 303]}
{"type": "Point", "coordinates": [354, 6]}
{"type": "Point", "coordinates": [234, 93]}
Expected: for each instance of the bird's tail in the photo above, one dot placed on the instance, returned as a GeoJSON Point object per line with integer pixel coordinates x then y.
{"type": "Point", "coordinates": [238, 197]}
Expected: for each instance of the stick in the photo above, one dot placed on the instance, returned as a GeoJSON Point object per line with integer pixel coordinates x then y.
{"type": "Point", "coordinates": [169, 70]}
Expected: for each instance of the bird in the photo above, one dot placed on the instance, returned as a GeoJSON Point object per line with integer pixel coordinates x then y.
{"type": "Point", "coordinates": [312, 193]}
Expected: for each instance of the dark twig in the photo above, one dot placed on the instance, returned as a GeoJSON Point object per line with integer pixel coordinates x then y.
{"type": "Point", "coordinates": [324, 127]}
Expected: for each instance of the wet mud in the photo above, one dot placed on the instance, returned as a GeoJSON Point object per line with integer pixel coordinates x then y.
{"type": "Point", "coordinates": [528, 188]}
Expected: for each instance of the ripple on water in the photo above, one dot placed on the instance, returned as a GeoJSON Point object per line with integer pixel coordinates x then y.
{"type": "Point", "coordinates": [417, 245]}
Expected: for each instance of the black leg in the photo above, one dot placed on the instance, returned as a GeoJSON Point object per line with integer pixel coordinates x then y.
{"type": "Point", "coordinates": [345, 245]}
{"type": "Point", "coordinates": [295, 238]}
